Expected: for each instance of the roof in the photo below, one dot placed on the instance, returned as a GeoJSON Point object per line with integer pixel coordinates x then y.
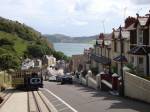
{"type": "Point", "coordinates": [108, 36]}
{"type": "Point", "coordinates": [101, 59]}
{"type": "Point", "coordinates": [138, 50]}
{"type": "Point", "coordinates": [143, 20]}
{"type": "Point", "coordinates": [120, 58]}
{"type": "Point", "coordinates": [131, 27]}
{"type": "Point", "coordinates": [101, 36]}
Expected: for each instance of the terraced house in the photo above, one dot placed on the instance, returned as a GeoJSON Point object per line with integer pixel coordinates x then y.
{"type": "Point", "coordinates": [101, 57]}
{"type": "Point", "coordinates": [140, 44]}
{"type": "Point", "coordinates": [128, 45]}
{"type": "Point", "coordinates": [119, 48]}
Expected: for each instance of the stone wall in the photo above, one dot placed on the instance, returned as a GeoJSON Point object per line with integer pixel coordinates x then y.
{"type": "Point", "coordinates": [136, 87]}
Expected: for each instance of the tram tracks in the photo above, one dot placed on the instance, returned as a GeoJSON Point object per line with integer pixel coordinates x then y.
{"type": "Point", "coordinates": [37, 102]}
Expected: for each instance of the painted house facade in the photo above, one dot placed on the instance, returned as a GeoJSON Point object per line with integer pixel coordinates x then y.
{"type": "Point", "coordinates": [49, 60]}
{"type": "Point", "coordinates": [100, 57]}
{"type": "Point", "coordinates": [140, 44]}
{"type": "Point", "coordinates": [120, 39]}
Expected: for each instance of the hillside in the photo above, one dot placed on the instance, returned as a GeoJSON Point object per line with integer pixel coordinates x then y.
{"type": "Point", "coordinates": [18, 40]}
{"type": "Point", "coordinates": [59, 38]}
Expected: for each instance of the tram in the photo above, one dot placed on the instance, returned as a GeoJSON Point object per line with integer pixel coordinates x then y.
{"type": "Point", "coordinates": [27, 79]}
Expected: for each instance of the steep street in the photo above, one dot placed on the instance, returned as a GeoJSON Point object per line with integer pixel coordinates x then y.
{"type": "Point", "coordinates": [83, 99]}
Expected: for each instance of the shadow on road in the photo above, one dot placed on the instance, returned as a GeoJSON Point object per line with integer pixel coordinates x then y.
{"type": "Point", "coordinates": [117, 102]}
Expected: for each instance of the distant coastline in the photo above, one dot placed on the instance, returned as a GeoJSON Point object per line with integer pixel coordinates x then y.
{"type": "Point", "coordinates": [70, 49]}
{"type": "Point", "coordinates": [60, 38]}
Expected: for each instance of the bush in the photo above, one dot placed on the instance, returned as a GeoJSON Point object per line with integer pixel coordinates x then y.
{"type": "Point", "coordinates": [132, 68]}
{"type": "Point", "coordinates": [5, 41]}
{"type": "Point", "coordinates": [9, 61]}
{"type": "Point", "coordinates": [114, 69]}
{"type": "Point", "coordinates": [94, 70]}
{"type": "Point", "coordinates": [84, 73]}
{"type": "Point", "coordinates": [60, 55]}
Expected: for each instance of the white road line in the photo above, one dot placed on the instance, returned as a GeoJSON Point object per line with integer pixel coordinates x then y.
{"type": "Point", "coordinates": [74, 110]}
{"type": "Point", "coordinates": [59, 104]}
{"type": "Point", "coordinates": [66, 108]}
{"type": "Point", "coordinates": [55, 101]}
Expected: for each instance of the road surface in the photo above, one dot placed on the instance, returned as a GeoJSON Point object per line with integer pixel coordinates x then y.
{"type": "Point", "coordinates": [77, 98]}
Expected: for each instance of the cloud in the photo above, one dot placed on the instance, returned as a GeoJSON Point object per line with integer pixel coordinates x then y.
{"type": "Point", "coordinates": [141, 2]}
{"type": "Point", "coordinates": [68, 16]}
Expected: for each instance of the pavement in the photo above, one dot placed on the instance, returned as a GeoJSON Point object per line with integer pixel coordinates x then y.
{"type": "Point", "coordinates": [83, 99]}
{"type": "Point", "coordinates": [16, 103]}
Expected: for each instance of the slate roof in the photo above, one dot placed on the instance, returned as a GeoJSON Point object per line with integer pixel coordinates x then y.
{"type": "Point", "coordinates": [138, 50]}
{"type": "Point", "coordinates": [120, 58]}
{"type": "Point", "coordinates": [101, 59]}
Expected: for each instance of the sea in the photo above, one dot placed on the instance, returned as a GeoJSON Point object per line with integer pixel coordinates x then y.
{"type": "Point", "coordinates": [70, 49]}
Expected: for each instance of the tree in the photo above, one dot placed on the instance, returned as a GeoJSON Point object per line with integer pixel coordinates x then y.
{"type": "Point", "coordinates": [8, 61]}
{"type": "Point", "coordinates": [60, 55]}
{"type": "Point", "coordinates": [5, 41]}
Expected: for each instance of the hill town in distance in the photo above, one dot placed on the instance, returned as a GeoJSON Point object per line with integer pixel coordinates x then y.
{"type": "Point", "coordinates": [111, 74]}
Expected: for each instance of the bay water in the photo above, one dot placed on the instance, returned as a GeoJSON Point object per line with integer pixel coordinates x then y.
{"type": "Point", "coordinates": [70, 49]}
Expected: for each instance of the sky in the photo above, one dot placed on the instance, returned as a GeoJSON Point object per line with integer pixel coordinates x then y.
{"type": "Point", "coordinates": [73, 17]}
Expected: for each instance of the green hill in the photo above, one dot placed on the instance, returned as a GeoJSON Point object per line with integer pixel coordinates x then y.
{"type": "Point", "coordinates": [19, 46]}
{"type": "Point", "coordinates": [60, 38]}
{"type": "Point", "coordinates": [16, 41]}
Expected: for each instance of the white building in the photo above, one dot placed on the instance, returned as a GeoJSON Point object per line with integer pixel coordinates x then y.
{"type": "Point", "coordinates": [27, 63]}
{"type": "Point", "coordinates": [49, 60]}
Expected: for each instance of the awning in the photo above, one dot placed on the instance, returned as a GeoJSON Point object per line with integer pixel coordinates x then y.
{"type": "Point", "coordinates": [101, 59]}
{"type": "Point", "coordinates": [138, 50]}
{"type": "Point", "coordinates": [120, 59]}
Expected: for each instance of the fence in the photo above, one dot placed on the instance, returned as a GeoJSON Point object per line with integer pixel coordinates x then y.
{"type": "Point", "coordinates": [5, 79]}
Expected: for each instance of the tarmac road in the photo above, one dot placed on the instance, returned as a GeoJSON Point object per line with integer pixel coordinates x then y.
{"type": "Point", "coordinates": [77, 98]}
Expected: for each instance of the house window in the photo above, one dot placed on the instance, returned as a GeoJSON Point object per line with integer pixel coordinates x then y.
{"type": "Point", "coordinates": [141, 61]}
{"type": "Point", "coordinates": [140, 37]}
{"type": "Point", "coordinates": [140, 65]}
{"type": "Point", "coordinates": [115, 45]}
{"type": "Point", "coordinates": [123, 48]}
{"type": "Point", "coordinates": [132, 59]}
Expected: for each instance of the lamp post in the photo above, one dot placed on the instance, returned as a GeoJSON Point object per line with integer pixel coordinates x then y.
{"type": "Point", "coordinates": [121, 63]}
{"type": "Point", "coordinates": [108, 48]}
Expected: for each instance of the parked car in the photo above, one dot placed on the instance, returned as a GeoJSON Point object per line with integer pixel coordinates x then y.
{"type": "Point", "coordinates": [52, 78]}
{"type": "Point", "coordinates": [66, 79]}
{"type": "Point", "coordinates": [58, 78]}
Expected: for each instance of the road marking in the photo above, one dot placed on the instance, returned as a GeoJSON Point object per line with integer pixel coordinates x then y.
{"type": "Point", "coordinates": [74, 110]}
{"type": "Point", "coordinates": [55, 101]}
{"type": "Point", "coordinates": [63, 109]}
{"type": "Point", "coordinates": [59, 104]}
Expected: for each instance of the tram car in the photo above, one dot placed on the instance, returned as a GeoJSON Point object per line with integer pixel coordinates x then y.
{"type": "Point", "coordinates": [28, 79]}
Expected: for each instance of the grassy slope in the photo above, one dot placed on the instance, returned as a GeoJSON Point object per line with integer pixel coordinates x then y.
{"type": "Point", "coordinates": [20, 44]}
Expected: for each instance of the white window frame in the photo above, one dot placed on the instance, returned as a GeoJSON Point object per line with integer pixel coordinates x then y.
{"type": "Point", "coordinates": [140, 37]}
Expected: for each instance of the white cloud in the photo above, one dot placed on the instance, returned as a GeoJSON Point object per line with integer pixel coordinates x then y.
{"type": "Point", "coordinates": [50, 14]}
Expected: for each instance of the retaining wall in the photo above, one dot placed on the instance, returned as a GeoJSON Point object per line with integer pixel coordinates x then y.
{"type": "Point", "coordinates": [136, 87]}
